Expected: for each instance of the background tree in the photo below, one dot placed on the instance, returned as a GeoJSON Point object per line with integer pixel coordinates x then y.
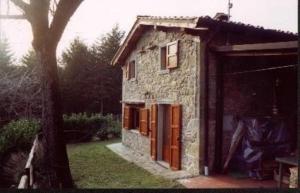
{"type": "Point", "coordinates": [89, 79]}
{"type": "Point", "coordinates": [46, 35]}
{"type": "Point", "coordinates": [29, 60]}
{"type": "Point", "coordinates": [6, 57]}
{"type": "Point", "coordinates": [76, 88]}
{"type": "Point", "coordinates": [109, 88]}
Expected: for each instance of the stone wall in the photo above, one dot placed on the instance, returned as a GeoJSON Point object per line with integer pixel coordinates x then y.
{"type": "Point", "coordinates": [136, 141]}
{"type": "Point", "coordinates": [179, 85]}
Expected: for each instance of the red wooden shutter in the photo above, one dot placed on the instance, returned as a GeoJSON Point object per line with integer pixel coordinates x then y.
{"type": "Point", "coordinates": [172, 54]}
{"type": "Point", "coordinates": [144, 130]}
{"type": "Point", "coordinates": [127, 117]}
{"type": "Point", "coordinates": [175, 142]}
{"type": "Point", "coordinates": [153, 136]}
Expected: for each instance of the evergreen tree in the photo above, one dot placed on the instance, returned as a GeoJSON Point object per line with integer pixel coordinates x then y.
{"type": "Point", "coordinates": [29, 59]}
{"type": "Point", "coordinates": [109, 85]}
{"type": "Point", "coordinates": [90, 83]}
{"type": "Point", "coordinates": [75, 86]}
{"type": "Point", "coordinates": [6, 57]}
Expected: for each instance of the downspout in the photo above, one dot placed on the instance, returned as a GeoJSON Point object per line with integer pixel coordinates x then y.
{"type": "Point", "coordinates": [206, 97]}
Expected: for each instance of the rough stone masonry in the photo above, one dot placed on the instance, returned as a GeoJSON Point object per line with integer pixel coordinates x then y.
{"type": "Point", "coordinates": [179, 85]}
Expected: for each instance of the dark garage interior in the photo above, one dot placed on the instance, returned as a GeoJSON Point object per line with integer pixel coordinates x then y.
{"type": "Point", "coordinates": [259, 113]}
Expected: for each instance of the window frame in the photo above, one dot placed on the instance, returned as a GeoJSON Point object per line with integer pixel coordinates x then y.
{"type": "Point", "coordinates": [130, 69]}
{"type": "Point", "coordinates": [161, 56]}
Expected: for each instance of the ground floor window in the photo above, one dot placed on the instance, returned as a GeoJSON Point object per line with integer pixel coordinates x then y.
{"type": "Point", "coordinates": [131, 116]}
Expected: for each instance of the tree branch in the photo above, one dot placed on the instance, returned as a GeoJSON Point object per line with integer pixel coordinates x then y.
{"type": "Point", "coordinates": [65, 9]}
{"type": "Point", "coordinates": [22, 5]}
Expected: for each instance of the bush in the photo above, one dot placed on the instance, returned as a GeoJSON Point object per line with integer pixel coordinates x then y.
{"type": "Point", "coordinates": [18, 135]}
{"type": "Point", "coordinates": [82, 127]}
{"type": "Point", "coordinates": [113, 127]}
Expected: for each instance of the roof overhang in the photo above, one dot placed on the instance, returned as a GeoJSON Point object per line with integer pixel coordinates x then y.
{"type": "Point", "coordinates": [188, 25]}
{"type": "Point", "coordinates": [200, 25]}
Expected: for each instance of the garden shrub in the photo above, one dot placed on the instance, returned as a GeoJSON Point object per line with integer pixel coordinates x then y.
{"type": "Point", "coordinates": [16, 138]}
{"type": "Point", "coordinates": [82, 127]}
{"type": "Point", "coordinates": [113, 126]}
{"type": "Point", "coordinates": [18, 135]}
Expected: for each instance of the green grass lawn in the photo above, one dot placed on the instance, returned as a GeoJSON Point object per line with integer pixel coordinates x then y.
{"type": "Point", "coordinates": [93, 165]}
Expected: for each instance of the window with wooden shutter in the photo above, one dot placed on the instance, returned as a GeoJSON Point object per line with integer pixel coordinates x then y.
{"type": "Point", "coordinates": [153, 135]}
{"type": "Point", "coordinates": [172, 55]}
{"type": "Point", "coordinates": [175, 142]}
{"type": "Point", "coordinates": [144, 130]}
{"type": "Point", "coordinates": [127, 117]}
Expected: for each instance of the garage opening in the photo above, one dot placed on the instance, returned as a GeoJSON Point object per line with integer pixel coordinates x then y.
{"type": "Point", "coordinates": [259, 114]}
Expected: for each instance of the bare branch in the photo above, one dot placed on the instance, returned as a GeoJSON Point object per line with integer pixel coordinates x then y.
{"type": "Point", "coordinates": [65, 9]}
{"type": "Point", "coordinates": [22, 5]}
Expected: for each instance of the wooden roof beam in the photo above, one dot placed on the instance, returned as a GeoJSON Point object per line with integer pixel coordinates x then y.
{"type": "Point", "coordinates": [239, 54]}
{"type": "Point", "coordinates": [257, 47]}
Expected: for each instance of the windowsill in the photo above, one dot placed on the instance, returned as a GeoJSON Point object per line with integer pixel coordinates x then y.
{"type": "Point", "coordinates": [166, 71]}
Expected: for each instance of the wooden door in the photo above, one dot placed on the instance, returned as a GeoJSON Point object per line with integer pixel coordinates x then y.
{"type": "Point", "coordinates": [166, 134]}
{"type": "Point", "coordinates": [153, 135]}
{"type": "Point", "coordinates": [175, 142]}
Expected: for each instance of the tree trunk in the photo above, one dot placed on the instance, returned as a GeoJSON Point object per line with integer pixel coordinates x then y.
{"type": "Point", "coordinates": [45, 39]}
{"type": "Point", "coordinates": [55, 158]}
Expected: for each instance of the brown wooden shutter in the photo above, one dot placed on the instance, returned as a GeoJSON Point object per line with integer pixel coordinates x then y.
{"type": "Point", "coordinates": [153, 136]}
{"type": "Point", "coordinates": [127, 117]}
{"type": "Point", "coordinates": [144, 130]}
{"type": "Point", "coordinates": [175, 143]}
{"type": "Point", "coordinates": [172, 54]}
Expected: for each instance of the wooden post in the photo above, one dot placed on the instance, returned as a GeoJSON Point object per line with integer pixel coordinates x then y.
{"type": "Point", "coordinates": [27, 179]}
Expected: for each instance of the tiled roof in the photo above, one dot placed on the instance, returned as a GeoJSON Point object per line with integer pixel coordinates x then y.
{"type": "Point", "coordinates": [205, 19]}
{"type": "Point", "coordinates": [240, 24]}
{"type": "Point", "coordinates": [198, 24]}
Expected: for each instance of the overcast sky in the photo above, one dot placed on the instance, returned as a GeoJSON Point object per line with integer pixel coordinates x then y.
{"type": "Point", "coordinates": [96, 17]}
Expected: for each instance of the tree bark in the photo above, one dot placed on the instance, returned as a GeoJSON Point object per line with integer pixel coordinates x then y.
{"type": "Point", "coordinates": [55, 160]}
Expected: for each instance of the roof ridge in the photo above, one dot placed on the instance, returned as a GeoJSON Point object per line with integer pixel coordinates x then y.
{"type": "Point", "coordinates": [166, 17]}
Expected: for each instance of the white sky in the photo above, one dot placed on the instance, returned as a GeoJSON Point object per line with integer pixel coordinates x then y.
{"type": "Point", "coordinates": [96, 17]}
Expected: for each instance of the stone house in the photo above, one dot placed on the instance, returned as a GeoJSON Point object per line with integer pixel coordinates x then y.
{"type": "Point", "coordinates": [177, 94]}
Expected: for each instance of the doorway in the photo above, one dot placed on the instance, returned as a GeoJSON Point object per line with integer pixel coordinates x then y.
{"type": "Point", "coordinates": [164, 133]}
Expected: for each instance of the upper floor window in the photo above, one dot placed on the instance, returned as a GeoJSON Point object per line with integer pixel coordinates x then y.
{"type": "Point", "coordinates": [169, 56]}
{"type": "Point", "coordinates": [130, 70]}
